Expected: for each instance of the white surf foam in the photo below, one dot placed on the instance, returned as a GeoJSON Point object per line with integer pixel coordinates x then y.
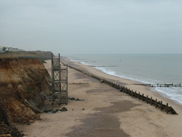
{"type": "Point", "coordinates": [172, 93]}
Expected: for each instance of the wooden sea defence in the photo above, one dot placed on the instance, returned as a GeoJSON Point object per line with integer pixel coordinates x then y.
{"type": "Point", "coordinates": [162, 85]}
{"type": "Point", "coordinates": [135, 94]}
{"type": "Point", "coordinates": [147, 99]}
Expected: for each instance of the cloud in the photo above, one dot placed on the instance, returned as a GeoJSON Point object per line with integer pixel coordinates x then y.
{"type": "Point", "coordinates": [83, 25]}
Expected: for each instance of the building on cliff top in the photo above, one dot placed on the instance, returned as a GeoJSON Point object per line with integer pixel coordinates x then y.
{"type": "Point", "coordinates": [9, 49]}
{"type": "Point", "coordinates": [1, 49]}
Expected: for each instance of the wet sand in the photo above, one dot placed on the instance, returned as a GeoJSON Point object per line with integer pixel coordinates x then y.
{"type": "Point", "coordinates": [105, 111]}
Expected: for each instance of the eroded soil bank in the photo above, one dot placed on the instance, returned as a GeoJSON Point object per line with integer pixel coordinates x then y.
{"type": "Point", "coordinates": [24, 85]}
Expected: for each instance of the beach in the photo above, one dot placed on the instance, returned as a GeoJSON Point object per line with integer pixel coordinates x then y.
{"type": "Point", "coordinates": [104, 111]}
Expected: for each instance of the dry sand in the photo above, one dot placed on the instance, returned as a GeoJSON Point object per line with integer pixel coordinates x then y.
{"type": "Point", "coordinates": [106, 111]}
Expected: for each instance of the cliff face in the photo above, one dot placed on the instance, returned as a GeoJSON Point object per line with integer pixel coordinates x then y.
{"type": "Point", "coordinates": [24, 84]}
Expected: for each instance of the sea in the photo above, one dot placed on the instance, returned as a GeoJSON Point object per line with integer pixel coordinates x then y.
{"type": "Point", "coordinates": [145, 68]}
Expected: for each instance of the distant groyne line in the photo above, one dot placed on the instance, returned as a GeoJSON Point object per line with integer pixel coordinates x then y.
{"type": "Point", "coordinates": [161, 85]}
{"type": "Point", "coordinates": [122, 88]}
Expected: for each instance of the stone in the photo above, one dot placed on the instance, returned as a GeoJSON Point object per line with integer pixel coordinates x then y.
{"type": "Point", "coordinates": [78, 99]}
{"type": "Point", "coordinates": [54, 111]}
{"type": "Point", "coordinates": [64, 109]}
{"type": "Point", "coordinates": [46, 110]}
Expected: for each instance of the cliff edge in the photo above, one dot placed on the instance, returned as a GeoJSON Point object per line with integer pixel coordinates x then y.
{"type": "Point", "coordinates": [24, 85]}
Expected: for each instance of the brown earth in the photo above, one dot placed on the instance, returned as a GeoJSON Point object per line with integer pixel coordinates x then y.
{"type": "Point", "coordinates": [24, 84]}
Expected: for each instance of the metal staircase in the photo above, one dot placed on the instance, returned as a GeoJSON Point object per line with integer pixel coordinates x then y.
{"type": "Point", "coordinates": [64, 85]}
{"type": "Point", "coordinates": [59, 81]}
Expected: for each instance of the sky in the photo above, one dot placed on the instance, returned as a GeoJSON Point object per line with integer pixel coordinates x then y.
{"type": "Point", "coordinates": [92, 26]}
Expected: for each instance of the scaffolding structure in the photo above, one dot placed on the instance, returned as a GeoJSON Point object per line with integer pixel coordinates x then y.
{"type": "Point", "coordinates": [59, 81]}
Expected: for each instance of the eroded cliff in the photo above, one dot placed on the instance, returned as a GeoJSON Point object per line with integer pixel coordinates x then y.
{"type": "Point", "coordinates": [24, 85]}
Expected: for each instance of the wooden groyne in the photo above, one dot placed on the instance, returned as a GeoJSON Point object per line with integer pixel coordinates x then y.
{"type": "Point", "coordinates": [161, 85]}
{"type": "Point", "coordinates": [122, 88]}
{"type": "Point", "coordinates": [147, 99]}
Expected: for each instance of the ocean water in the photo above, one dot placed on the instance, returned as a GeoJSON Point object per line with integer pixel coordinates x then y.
{"type": "Point", "coordinates": [143, 68]}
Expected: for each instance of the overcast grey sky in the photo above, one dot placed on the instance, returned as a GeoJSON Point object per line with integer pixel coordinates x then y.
{"type": "Point", "coordinates": [92, 26]}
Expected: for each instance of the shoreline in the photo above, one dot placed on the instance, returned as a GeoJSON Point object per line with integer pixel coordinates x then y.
{"type": "Point", "coordinates": [131, 84]}
{"type": "Point", "coordinates": [173, 93]}
{"type": "Point", "coordinates": [152, 89]}
{"type": "Point", "coordinates": [105, 111]}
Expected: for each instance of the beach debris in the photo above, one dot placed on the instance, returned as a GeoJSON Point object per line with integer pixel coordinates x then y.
{"type": "Point", "coordinates": [51, 110]}
{"type": "Point", "coordinates": [76, 99]}
{"type": "Point", "coordinates": [71, 98]}
{"type": "Point", "coordinates": [46, 110]}
{"type": "Point", "coordinates": [64, 109]}
{"type": "Point", "coordinates": [80, 99]}
{"type": "Point", "coordinates": [8, 131]}
{"type": "Point", "coordinates": [54, 111]}
{"type": "Point", "coordinates": [78, 83]}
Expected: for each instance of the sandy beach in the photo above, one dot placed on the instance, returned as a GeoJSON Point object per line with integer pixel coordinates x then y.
{"type": "Point", "coordinates": [104, 111]}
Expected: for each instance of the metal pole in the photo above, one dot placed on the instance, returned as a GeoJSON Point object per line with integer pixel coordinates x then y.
{"type": "Point", "coordinates": [66, 84]}
{"type": "Point", "coordinates": [52, 74]}
{"type": "Point", "coordinates": [59, 79]}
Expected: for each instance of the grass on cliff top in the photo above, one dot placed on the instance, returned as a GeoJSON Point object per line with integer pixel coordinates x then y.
{"type": "Point", "coordinates": [14, 55]}
{"type": "Point", "coordinates": [45, 54]}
